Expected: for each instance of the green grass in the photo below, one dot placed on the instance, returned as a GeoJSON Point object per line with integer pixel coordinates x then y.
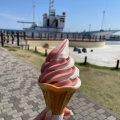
{"type": "Point", "coordinates": [88, 65]}
{"type": "Point", "coordinates": [34, 58]}
{"type": "Point", "coordinates": [101, 84]}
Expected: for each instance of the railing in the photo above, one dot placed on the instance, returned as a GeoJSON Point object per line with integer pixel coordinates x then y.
{"type": "Point", "coordinates": [61, 36]}
{"type": "Point", "coordinates": [46, 36]}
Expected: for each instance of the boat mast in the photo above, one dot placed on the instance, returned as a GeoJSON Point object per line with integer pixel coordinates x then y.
{"type": "Point", "coordinates": [103, 19]}
{"type": "Point", "coordinates": [34, 5]}
{"type": "Point", "coordinates": [51, 4]}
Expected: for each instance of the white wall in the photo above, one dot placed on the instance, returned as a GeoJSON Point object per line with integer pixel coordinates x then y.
{"type": "Point", "coordinates": [53, 43]}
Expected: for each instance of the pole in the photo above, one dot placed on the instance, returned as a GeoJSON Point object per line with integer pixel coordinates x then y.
{"type": "Point", "coordinates": [51, 4]}
{"type": "Point", "coordinates": [17, 38]}
{"type": "Point", "coordinates": [117, 66]}
{"type": "Point", "coordinates": [35, 49]}
{"type": "Point", "coordinates": [28, 46]}
{"type": "Point", "coordinates": [85, 60]}
{"type": "Point", "coordinates": [24, 35]}
{"type": "Point", "coordinates": [7, 37]}
{"type": "Point", "coordinates": [34, 12]}
{"type": "Point", "coordinates": [61, 36]}
{"type": "Point", "coordinates": [2, 41]}
{"type": "Point", "coordinates": [103, 20]}
{"type": "Point", "coordinates": [45, 52]}
{"type": "Point", "coordinates": [89, 32]}
{"type": "Point", "coordinates": [32, 35]}
{"type": "Point", "coordinates": [89, 28]}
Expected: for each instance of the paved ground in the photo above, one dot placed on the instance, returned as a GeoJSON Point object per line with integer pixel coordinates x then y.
{"type": "Point", "coordinates": [106, 56]}
{"type": "Point", "coordinates": [21, 98]}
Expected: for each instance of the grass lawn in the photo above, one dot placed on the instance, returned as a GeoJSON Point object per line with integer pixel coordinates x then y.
{"type": "Point", "coordinates": [35, 58]}
{"type": "Point", "coordinates": [99, 83]}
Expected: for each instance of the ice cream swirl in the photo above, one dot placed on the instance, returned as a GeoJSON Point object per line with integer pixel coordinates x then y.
{"type": "Point", "coordinates": [59, 68]}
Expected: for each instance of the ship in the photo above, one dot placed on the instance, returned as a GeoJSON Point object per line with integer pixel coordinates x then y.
{"type": "Point", "coordinates": [54, 24]}
{"type": "Point", "coordinates": [101, 34]}
{"type": "Point", "coordinates": [51, 22]}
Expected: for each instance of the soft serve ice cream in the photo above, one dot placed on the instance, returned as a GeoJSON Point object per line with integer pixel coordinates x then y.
{"type": "Point", "coordinates": [59, 69]}
{"type": "Point", "coordinates": [59, 79]}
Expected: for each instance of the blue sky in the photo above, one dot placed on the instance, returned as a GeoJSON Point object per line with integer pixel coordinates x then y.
{"type": "Point", "coordinates": [79, 13]}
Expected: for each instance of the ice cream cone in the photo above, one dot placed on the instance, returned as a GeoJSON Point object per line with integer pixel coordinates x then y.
{"type": "Point", "coordinates": [56, 98]}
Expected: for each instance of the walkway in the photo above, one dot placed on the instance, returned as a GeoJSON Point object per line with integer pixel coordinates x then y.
{"type": "Point", "coordinates": [21, 98]}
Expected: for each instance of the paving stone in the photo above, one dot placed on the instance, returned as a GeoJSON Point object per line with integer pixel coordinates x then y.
{"type": "Point", "coordinates": [95, 118]}
{"type": "Point", "coordinates": [88, 117]}
{"type": "Point", "coordinates": [82, 99]}
{"type": "Point", "coordinates": [40, 110]}
{"type": "Point", "coordinates": [74, 98]}
{"type": "Point", "coordinates": [101, 117]}
{"type": "Point", "coordinates": [8, 105]}
{"type": "Point", "coordinates": [94, 114]}
{"type": "Point", "coordinates": [107, 114]}
{"type": "Point", "coordinates": [87, 101]}
{"type": "Point", "coordinates": [28, 111]}
{"type": "Point", "coordinates": [33, 114]}
{"type": "Point", "coordinates": [77, 117]}
{"type": "Point", "coordinates": [82, 103]}
{"type": "Point", "coordinates": [91, 109]}
{"type": "Point", "coordinates": [100, 111]}
{"type": "Point", "coordinates": [19, 118]}
{"type": "Point", "coordinates": [32, 118]}
{"type": "Point", "coordinates": [22, 99]}
{"type": "Point", "coordinates": [76, 101]}
{"type": "Point", "coordinates": [111, 118]}
{"type": "Point", "coordinates": [70, 118]}
{"type": "Point", "coordinates": [79, 110]}
{"type": "Point", "coordinates": [28, 107]}
{"type": "Point", "coordinates": [84, 113]}
{"type": "Point", "coordinates": [35, 108]}
{"type": "Point", "coordinates": [12, 112]}
{"type": "Point", "coordinates": [90, 104]}
{"type": "Point", "coordinates": [2, 115]}
{"type": "Point", "coordinates": [17, 115]}
{"type": "Point", "coordinates": [2, 119]}
{"type": "Point", "coordinates": [23, 105]}
{"type": "Point", "coordinates": [1, 107]}
{"type": "Point", "coordinates": [19, 109]}
{"type": "Point", "coordinates": [8, 117]}
{"type": "Point", "coordinates": [6, 110]}
{"type": "Point", "coordinates": [75, 106]}
{"type": "Point", "coordinates": [25, 117]}
{"type": "Point", "coordinates": [96, 107]}
{"type": "Point", "coordinates": [70, 104]}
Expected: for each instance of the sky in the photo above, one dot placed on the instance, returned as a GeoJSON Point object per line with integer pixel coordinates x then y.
{"type": "Point", "coordinates": [80, 14]}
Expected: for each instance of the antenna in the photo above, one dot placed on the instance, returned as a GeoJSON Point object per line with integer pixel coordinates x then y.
{"type": "Point", "coordinates": [89, 27]}
{"type": "Point", "coordinates": [34, 5]}
{"type": "Point", "coordinates": [51, 4]}
{"type": "Point", "coordinates": [103, 19]}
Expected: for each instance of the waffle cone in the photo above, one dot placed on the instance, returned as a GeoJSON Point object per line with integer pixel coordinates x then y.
{"type": "Point", "coordinates": [56, 98]}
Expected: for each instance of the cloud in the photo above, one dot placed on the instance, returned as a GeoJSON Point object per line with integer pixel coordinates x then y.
{"type": "Point", "coordinates": [10, 16]}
